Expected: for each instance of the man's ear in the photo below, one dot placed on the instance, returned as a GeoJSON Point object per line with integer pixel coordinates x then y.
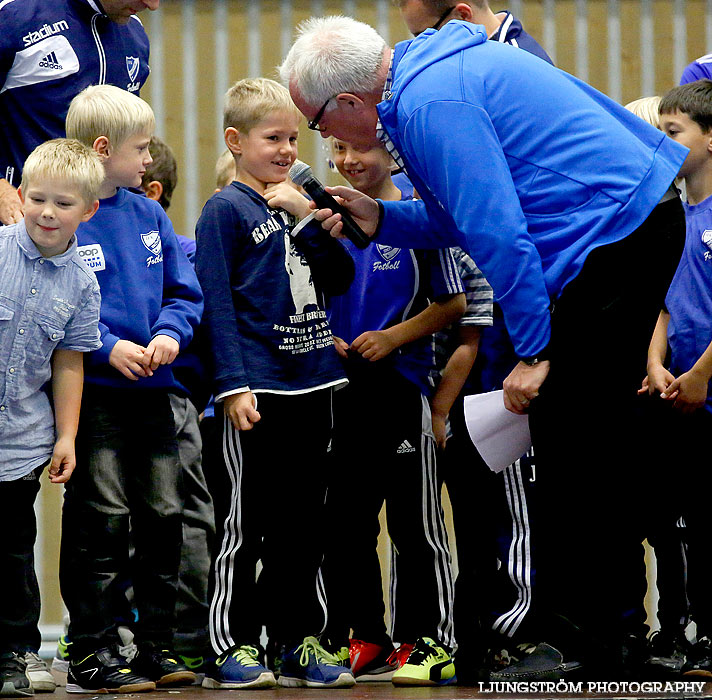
{"type": "Point", "coordinates": [154, 190]}
{"type": "Point", "coordinates": [232, 140]}
{"type": "Point", "coordinates": [463, 11]}
{"type": "Point", "coordinates": [20, 195]}
{"type": "Point", "coordinates": [90, 210]}
{"type": "Point", "coordinates": [102, 146]}
{"type": "Point", "coordinates": [348, 99]}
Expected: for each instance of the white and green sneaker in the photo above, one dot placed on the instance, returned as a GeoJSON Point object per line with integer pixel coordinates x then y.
{"type": "Point", "coordinates": [428, 664]}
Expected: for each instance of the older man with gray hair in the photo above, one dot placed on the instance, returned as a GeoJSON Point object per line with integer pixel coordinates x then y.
{"type": "Point", "coordinates": [564, 200]}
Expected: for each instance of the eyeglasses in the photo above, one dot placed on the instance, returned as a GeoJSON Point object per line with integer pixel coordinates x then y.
{"type": "Point", "coordinates": [442, 18]}
{"type": "Point", "coordinates": [313, 124]}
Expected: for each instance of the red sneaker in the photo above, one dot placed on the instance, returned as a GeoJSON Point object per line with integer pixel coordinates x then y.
{"type": "Point", "coordinates": [400, 655]}
{"type": "Point", "coordinates": [370, 658]}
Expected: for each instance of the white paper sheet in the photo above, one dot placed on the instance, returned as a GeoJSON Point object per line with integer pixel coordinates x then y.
{"type": "Point", "coordinates": [500, 436]}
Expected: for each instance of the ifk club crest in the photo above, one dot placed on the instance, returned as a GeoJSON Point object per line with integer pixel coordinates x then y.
{"type": "Point", "coordinates": [152, 241]}
{"type": "Point", "coordinates": [133, 63]}
{"type": "Point", "coordinates": [387, 252]}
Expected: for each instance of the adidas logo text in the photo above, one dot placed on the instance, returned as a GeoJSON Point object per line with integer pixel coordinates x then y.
{"type": "Point", "coordinates": [404, 447]}
{"type": "Point", "coordinates": [50, 61]}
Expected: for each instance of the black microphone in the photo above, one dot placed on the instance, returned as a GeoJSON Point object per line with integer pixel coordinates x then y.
{"type": "Point", "coordinates": [301, 174]}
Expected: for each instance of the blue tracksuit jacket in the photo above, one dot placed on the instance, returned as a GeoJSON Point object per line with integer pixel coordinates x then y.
{"type": "Point", "coordinates": [50, 50]}
{"type": "Point", "coordinates": [522, 165]}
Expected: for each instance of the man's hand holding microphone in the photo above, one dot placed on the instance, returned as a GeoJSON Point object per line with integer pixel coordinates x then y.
{"type": "Point", "coordinates": [354, 215]}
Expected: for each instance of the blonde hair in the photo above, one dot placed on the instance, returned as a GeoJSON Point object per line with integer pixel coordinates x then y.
{"type": "Point", "coordinates": [224, 169]}
{"type": "Point", "coordinates": [67, 161]}
{"type": "Point", "coordinates": [106, 110]}
{"type": "Point", "coordinates": [249, 101]}
{"type": "Point", "coordinates": [646, 108]}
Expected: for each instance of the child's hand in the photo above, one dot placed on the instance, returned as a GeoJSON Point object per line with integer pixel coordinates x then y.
{"type": "Point", "coordinates": [689, 391]}
{"type": "Point", "coordinates": [341, 347]}
{"type": "Point", "coordinates": [241, 409]}
{"type": "Point", "coordinates": [657, 381]}
{"type": "Point", "coordinates": [162, 350]}
{"type": "Point", "coordinates": [440, 429]}
{"type": "Point", "coordinates": [374, 345]}
{"type": "Point", "coordinates": [127, 357]}
{"type": "Point", "coordinates": [282, 195]}
{"type": "Point", "coordinates": [63, 461]}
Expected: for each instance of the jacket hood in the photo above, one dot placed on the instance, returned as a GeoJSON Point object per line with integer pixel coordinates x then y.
{"type": "Point", "coordinates": [432, 46]}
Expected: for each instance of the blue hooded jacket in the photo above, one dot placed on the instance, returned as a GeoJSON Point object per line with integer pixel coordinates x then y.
{"type": "Point", "coordinates": [524, 166]}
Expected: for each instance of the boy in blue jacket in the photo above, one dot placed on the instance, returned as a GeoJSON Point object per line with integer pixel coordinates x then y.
{"type": "Point", "coordinates": [275, 368]}
{"type": "Point", "coordinates": [680, 385]}
{"type": "Point", "coordinates": [126, 443]}
{"type": "Point", "coordinates": [383, 329]}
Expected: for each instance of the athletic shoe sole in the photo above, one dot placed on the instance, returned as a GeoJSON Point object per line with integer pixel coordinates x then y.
{"type": "Point", "coordinates": [345, 680]}
{"type": "Point", "coordinates": [8, 690]}
{"type": "Point", "coordinates": [413, 681]}
{"type": "Point", "coordinates": [697, 673]}
{"type": "Point", "coordinates": [130, 688]}
{"type": "Point", "coordinates": [48, 686]}
{"type": "Point", "coordinates": [264, 680]}
{"type": "Point", "coordinates": [177, 678]}
{"type": "Point", "coordinates": [380, 677]}
{"type": "Point", "coordinates": [375, 671]}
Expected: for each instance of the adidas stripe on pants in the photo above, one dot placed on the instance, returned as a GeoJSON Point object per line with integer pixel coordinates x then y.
{"type": "Point", "coordinates": [383, 449]}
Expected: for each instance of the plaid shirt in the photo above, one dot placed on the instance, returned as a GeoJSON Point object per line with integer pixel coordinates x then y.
{"type": "Point", "coordinates": [381, 133]}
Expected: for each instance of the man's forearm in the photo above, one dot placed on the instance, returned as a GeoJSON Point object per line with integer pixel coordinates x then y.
{"type": "Point", "coordinates": [10, 204]}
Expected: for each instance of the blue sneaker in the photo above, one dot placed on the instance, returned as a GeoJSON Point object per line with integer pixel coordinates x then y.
{"type": "Point", "coordinates": [239, 668]}
{"type": "Point", "coordinates": [310, 665]}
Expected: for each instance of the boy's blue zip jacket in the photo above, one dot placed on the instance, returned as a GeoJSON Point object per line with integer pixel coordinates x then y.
{"type": "Point", "coordinates": [524, 166]}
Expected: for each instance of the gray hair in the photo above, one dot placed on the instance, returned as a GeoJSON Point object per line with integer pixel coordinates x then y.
{"type": "Point", "coordinates": [333, 55]}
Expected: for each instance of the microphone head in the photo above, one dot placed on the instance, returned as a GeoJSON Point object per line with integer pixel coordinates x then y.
{"type": "Point", "coordinates": [300, 172]}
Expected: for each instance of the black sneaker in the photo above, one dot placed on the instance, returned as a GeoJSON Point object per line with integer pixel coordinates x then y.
{"type": "Point", "coordinates": [105, 671]}
{"type": "Point", "coordinates": [699, 660]}
{"type": "Point", "coordinates": [163, 666]}
{"type": "Point", "coordinates": [14, 682]}
{"type": "Point", "coordinates": [667, 653]}
{"type": "Point", "coordinates": [544, 663]}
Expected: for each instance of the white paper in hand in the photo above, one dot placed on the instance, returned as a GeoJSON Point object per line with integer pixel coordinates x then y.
{"type": "Point", "coordinates": [500, 436]}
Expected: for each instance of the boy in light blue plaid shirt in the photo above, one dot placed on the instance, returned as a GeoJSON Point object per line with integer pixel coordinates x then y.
{"type": "Point", "coordinates": [49, 315]}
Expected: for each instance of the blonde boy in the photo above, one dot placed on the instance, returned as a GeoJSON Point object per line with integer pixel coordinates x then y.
{"type": "Point", "coordinates": [224, 169]}
{"type": "Point", "coordinates": [263, 274]}
{"type": "Point", "coordinates": [49, 313]}
{"type": "Point", "coordinates": [151, 304]}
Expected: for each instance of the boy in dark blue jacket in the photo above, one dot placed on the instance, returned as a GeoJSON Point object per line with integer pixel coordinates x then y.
{"type": "Point", "coordinates": [126, 444]}
{"type": "Point", "coordinates": [679, 383]}
{"type": "Point", "coordinates": [275, 370]}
